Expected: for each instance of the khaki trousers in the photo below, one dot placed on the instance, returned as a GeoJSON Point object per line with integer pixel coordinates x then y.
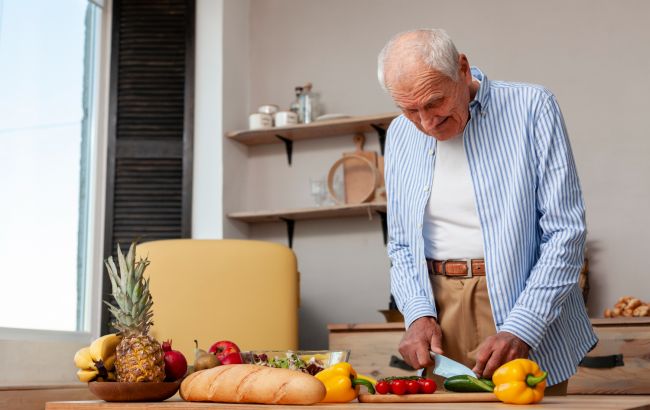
{"type": "Point", "coordinates": [465, 317]}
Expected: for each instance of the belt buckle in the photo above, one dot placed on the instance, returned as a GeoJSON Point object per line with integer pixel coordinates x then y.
{"type": "Point", "coordinates": [469, 268]}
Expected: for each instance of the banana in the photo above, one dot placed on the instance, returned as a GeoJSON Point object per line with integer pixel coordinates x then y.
{"type": "Point", "coordinates": [83, 360]}
{"type": "Point", "coordinates": [104, 346]}
{"type": "Point", "coordinates": [86, 376]}
{"type": "Point", "coordinates": [109, 364]}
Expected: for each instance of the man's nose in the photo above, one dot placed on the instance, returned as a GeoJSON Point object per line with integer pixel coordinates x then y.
{"type": "Point", "coordinates": [428, 119]}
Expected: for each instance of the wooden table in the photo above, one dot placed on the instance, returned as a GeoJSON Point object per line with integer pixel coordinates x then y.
{"type": "Point", "coordinates": [569, 403]}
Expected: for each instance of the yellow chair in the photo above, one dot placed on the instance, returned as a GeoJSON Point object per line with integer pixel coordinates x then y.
{"type": "Point", "coordinates": [209, 290]}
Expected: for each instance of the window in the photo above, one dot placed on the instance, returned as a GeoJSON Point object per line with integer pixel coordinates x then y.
{"type": "Point", "coordinates": [49, 51]}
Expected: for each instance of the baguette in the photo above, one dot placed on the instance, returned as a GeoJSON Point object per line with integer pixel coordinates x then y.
{"type": "Point", "coordinates": [248, 383]}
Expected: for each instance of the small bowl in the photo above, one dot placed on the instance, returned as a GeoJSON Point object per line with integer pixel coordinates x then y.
{"type": "Point", "coordinates": [326, 357]}
{"type": "Point", "coordinates": [119, 391]}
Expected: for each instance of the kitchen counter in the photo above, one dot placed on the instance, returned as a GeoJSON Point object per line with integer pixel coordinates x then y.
{"type": "Point", "coordinates": [568, 402]}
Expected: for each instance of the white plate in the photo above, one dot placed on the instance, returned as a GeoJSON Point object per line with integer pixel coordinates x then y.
{"type": "Point", "coordinates": [328, 117]}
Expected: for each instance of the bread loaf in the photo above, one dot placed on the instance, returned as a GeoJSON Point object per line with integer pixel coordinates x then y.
{"type": "Point", "coordinates": [247, 383]}
{"type": "Point", "coordinates": [628, 306]}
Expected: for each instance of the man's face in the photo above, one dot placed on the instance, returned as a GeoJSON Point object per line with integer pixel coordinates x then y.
{"type": "Point", "coordinates": [436, 104]}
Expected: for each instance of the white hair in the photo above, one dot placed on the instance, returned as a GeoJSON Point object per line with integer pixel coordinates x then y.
{"type": "Point", "coordinates": [431, 46]}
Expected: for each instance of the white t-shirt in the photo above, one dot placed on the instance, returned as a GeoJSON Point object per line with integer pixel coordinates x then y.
{"type": "Point", "coordinates": [451, 228]}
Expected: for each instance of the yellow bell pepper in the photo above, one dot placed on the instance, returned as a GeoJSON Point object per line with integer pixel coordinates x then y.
{"type": "Point", "coordinates": [342, 383]}
{"type": "Point", "coordinates": [519, 381]}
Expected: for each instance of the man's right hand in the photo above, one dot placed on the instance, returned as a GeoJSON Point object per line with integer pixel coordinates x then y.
{"type": "Point", "coordinates": [423, 335]}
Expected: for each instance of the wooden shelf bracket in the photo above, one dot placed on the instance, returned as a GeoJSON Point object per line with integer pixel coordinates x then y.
{"type": "Point", "coordinates": [290, 227]}
{"type": "Point", "coordinates": [288, 146]}
{"type": "Point", "coordinates": [381, 134]}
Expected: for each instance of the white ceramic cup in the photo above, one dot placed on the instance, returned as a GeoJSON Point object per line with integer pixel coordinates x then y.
{"type": "Point", "coordinates": [284, 118]}
{"type": "Point", "coordinates": [259, 120]}
{"type": "Point", "coordinates": [268, 109]}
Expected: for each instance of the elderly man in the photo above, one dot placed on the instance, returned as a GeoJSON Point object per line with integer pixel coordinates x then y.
{"type": "Point", "coordinates": [485, 215]}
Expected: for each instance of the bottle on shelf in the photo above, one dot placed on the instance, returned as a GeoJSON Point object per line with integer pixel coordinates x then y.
{"type": "Point", "coordinates": [306, 105]}
{"type": "Point", "coordinates": [295, 105]}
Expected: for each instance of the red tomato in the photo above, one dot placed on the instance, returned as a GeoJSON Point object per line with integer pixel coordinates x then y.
{"type": "Point", "coordinates": [412, 386]}
{"type": "Point", "coordinates": [382, 387]}
{"type": "Point", "coordinates": [427, 386]}
{"type": "Point", "coordinates": [398, 386]}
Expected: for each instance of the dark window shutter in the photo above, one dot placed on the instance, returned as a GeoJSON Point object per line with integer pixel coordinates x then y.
{"type": "Point", "coordinates": [149, 172]}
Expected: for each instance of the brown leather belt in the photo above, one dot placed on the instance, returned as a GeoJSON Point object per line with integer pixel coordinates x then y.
{"type": "Point", "coordinates": [458, 268]}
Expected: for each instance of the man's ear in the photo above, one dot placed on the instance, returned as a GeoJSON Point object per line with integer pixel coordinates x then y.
{"type": "Point", "coordinates": [464, 68]}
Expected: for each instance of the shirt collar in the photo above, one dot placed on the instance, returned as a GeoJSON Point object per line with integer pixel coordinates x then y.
{"type": "Point", "coordinates": [483, 94]}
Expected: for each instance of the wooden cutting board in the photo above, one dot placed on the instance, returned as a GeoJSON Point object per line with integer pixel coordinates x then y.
{"type": "Point", "coordinates": [358, 178]}
{"type": "Point", "coordinates": [429, 398]}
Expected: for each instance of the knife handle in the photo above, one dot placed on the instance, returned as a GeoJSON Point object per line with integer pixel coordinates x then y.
{"type": "Point", "coordinates": [399, 363]}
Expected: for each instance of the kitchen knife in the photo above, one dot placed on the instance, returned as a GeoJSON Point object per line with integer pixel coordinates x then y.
{"type": "Point", "coordinates": [446, 367]}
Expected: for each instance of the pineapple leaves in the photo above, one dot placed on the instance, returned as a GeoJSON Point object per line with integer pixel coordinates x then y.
{"type": "Point", "coordinates": [112, 273]}
{"type": "Point", "coordinates": [123, 267]}
{"type": "Point", "coordinates": [133, 302]}
{"type": "Point", "coordinates": [125, 274]}
{"type": "Point", "coordinates": [130, 257]}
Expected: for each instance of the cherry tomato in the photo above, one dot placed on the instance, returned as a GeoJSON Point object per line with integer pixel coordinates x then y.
{"type": "Point", "coordinates": [382, 387]}
{"type": "Point", "coordinates": [412, 386]}
{"type": "Point", "coordinates": [427, 386]}
{"type": "Point", "coordinates": [421, 381]}
{"type": "Point", "coordinates": [398, 386]}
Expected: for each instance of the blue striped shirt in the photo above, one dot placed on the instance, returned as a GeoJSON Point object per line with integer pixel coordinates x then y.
{"type": "Point", "coordinates": [532, 216]}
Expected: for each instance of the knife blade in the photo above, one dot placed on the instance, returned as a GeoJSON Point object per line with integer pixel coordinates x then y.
{"type": "Point", "coordinates": [446, 367]}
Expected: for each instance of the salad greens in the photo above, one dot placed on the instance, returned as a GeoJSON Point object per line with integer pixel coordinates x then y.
{"type": "Point", "coordinates": [291, 361]}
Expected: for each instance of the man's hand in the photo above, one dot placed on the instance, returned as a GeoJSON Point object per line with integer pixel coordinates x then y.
{"type": "Point", "coordinates": [497, 350]}
{"type": "Point", "coordinates": [423, 335]}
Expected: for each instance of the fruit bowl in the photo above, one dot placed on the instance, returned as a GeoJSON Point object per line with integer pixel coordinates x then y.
{"type": "Point", "coordinates": [119, 391]}
{"type": "Point", "coordinates": [297, 359]}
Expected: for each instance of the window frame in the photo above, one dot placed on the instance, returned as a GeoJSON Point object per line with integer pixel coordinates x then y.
{"type": "Point", "coordinates": [13, 340]}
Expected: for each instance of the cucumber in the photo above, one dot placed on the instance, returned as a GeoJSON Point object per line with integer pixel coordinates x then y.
{"type": "Point", "coordinates": [463, 383]}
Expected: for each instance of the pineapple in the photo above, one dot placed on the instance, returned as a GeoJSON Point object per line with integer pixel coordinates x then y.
{"type": "Point", "coordinates": [139, 357]}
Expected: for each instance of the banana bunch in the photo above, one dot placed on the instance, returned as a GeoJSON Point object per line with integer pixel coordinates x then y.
{"type": "Point", "coordinates": [97, 361]}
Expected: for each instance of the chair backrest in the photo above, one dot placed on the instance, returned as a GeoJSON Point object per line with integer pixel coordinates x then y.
{"type": "Point", "coordinates": [209, 290]}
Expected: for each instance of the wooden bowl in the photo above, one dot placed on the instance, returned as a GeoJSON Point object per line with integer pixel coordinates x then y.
{"type": "Point", "coordinates": [118, 391]}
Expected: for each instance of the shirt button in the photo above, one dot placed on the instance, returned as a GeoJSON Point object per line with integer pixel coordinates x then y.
{"type": "Point", "coordinates": [430, 152]}
{"type": "Point", "coordinates": [420, 226]}
{"type": "Point", "coordinates": [426, 189]}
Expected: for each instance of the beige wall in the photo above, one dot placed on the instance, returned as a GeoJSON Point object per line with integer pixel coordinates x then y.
{"type": "Point", "coordinates": [592, 54]}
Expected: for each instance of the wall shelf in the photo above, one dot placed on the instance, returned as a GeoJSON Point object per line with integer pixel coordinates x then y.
{"type": "Point", "coordinates": [318, 129]}
{"type": "Point", "coordinates": [297, 214]}
{"type": "Point", "coordinates": [289, 216]}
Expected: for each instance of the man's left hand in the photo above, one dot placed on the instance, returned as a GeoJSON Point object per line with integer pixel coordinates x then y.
{"type": "Point", "coordinates": [497, 350]}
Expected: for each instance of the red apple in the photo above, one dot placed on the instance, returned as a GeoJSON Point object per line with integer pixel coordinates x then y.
{"type": "Point", "coordinates": [175, 362]}
{"type": "Point", "coordinates": [223, 348]}
{"type": "Point", "coordinates": [232, 358]}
